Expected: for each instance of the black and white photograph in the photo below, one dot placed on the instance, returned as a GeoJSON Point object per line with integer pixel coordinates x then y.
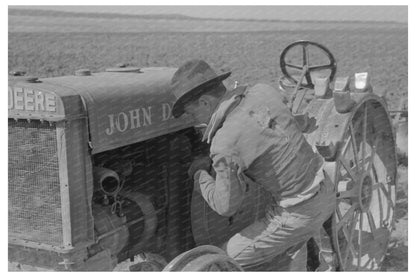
{"type": "Point", "coordinates": [211, 137]}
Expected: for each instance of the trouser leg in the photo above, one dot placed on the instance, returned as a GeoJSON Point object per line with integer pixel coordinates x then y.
{"type": "Point", "coordinates": [251, 247]}
{"type": "Point", "coordinates": [293, 259]}
{"type": "Point", "coordinates": [265, 239]}
{"type": "Point", "coordinates": [276, 245]}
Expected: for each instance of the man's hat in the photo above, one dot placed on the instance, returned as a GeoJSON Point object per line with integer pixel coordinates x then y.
{"type": "Point", "coordinates": [191, 80]}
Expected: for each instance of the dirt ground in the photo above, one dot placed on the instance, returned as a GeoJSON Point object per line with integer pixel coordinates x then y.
{"type": "Point", "coordinates": [397, 255]}
{"type": "Point", "coordinates": [44, 49]}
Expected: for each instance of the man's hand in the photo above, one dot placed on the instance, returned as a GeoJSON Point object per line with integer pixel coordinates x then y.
{"type": "Point", "coordinates": [199, 162]}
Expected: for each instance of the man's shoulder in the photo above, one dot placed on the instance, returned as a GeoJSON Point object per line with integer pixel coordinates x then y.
{"type": "Point", "coordinates": [227, 136]}
{"type": "Point", "coordinates": [242, 124]}
{"type": "Point", "coordinates": [237, 125]}
{"type": "Point", "coordinates": [265, 92]}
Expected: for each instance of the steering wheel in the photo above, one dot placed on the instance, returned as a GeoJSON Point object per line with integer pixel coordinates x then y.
{"type": "Point", "coordinates": [307, 68]}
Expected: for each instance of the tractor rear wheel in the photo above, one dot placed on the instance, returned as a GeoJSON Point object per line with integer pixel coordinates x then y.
{"type": "Point", "coordinates": [365, 184]}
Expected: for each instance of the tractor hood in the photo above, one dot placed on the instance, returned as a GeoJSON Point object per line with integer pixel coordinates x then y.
{"type": "Point", "coordinates": [122, 107]}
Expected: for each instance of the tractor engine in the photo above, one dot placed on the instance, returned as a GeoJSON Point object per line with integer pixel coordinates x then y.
{"type": "Point", "coordinates": [142, 197]}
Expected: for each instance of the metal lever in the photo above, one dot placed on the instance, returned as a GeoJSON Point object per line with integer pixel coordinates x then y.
{"type": "Point", "coordinates": [295, 92]}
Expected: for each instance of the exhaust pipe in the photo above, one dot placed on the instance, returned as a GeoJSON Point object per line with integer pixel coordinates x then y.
{"type": "Point", "coordinates": [108, 180]}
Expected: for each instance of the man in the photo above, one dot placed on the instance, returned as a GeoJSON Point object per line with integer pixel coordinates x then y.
{"type": "Point", "coordinates": [254, 138]}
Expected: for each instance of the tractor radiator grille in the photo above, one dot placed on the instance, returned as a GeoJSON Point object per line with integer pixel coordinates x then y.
{"type": "Point", "coordinates": [34, 190]}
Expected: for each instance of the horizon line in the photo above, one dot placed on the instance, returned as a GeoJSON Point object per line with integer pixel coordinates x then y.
{"type": "Point", "coordinates": [172, 16]}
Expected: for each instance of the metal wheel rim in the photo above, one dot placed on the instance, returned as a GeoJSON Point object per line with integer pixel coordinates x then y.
{"type": "Point", "coordinates": [192, 259]}
{"type": "Point", "coordinates": [363, 219]}
{"type": "Point", "coordinates": [212, 262]}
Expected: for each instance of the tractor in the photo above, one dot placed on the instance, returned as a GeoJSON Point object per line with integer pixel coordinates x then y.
{"type": "Point", "coordinates": [98, 171]}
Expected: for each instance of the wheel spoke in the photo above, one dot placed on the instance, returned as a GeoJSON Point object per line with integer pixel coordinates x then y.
{"type": "Point", "coordinates": [352, 193]}
{"type": "Point", "coordinates": [371, 161]}
{"type": "Point", "coordinates": [380, 205]}
{"type": "Point", "coordinates": [375, 175]}
{"type": "Point", "coordinates": [390, 201]}
{"type": "Point", "coordinates": [376, 186]}
{"type": "Point", "coordinates": [372, 224]}
{"type": "Point", "coordinates": [352, 228]}
{"type": "Point", "coordinates": [347, 168]}
{"type": "Point", "coordinates": [338, 213]}
{"type": "Point", "coordinates": [364, 142]}
{"type": "Point", "coordinates": [349, 237]}
{"type": "Point", "coordinates": [305, 55]}
{"type": "Point", "coordinates": [320, 67]}
{"type": "Point", "coordinates": [348, 250]}
{"type": "Point", "coordinates": [347, 144]}
{"type": "Point", "coordinates": [354, 144]}
{"type": "Point", "coordinates": [308, 77]}
{"type": "Point", "coordinates": [294, 66]}
{"type": "Point", "coordinates": [360, 240]}
{"type": "Point", "coordinates": [346, 217]}
{"type": "Point", "coordinates": [384, 190]}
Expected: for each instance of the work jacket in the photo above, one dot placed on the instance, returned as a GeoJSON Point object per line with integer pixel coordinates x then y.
{"type": "Point", "coordinates": [254, 135]}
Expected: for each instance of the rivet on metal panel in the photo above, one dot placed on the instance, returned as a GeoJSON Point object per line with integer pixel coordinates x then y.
{"type": "Point", "coordinates": [83, 72]}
